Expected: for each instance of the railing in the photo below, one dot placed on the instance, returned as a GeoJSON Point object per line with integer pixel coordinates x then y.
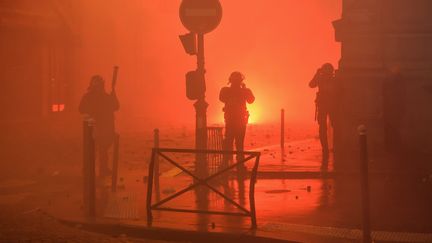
{"type": "Point", "coordinates": [161, 152]}
{"type": "Point", "coordinates": [214, 142]}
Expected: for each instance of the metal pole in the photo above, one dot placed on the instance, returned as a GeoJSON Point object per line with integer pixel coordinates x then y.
{"type": "Point", "coordinates": [92, 174]}
{"type": "Point", "coordinates": [201, 115]}
{"type": "Point", "coordinates": [282, 138]}
{"type": "Point", "coordinates": [150, 187]}
{"type": "Point", "coordinates": [364, 184]}
{"type": "Point", "coordinates": [86, 158]}
{"type": "Point", "coordinates": [115, 162]}
{"type": "Point", "coordinates": [89, 170]}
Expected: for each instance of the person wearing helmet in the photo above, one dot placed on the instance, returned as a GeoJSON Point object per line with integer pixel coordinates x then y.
{"type": "Point", "coordinates": [100, 106]}
{"type": "Point", "coordinates": [236, 114]}
{"type": "Point", "coordinates": [324, 79]}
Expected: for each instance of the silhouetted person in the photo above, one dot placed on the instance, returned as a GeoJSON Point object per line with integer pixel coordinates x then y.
{"type": "Point", "coordinates": [325, 81]}
{"type": "Point", "coordinates": [394, 93]}
{"type": "Point", "coordinates": [236, 114]}
{"type": "Point", "coordinates": [100, 106]}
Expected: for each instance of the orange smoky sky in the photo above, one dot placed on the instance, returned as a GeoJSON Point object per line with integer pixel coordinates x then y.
{"type": "Point", "coordinates": [277, 44]}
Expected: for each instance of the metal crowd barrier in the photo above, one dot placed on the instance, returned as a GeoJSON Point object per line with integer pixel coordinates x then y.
{"type": "Point", "coordinates": [161, 152]}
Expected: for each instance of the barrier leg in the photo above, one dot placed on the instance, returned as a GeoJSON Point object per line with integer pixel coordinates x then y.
{"type": "Point", "coordinates": [150, 187]}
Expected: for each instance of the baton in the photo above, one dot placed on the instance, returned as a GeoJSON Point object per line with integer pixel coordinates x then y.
{"type": "Point", "coordinates": [114, 78]}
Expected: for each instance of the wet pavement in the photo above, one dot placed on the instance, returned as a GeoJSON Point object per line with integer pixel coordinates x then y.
{"type": "Point", "coordinates": [297, 156]}
{"type": "Point", "coordinates": [313, 207]}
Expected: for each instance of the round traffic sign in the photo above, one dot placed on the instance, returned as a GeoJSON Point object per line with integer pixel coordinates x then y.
{"type": "Point", "coordinates": [200, 16]}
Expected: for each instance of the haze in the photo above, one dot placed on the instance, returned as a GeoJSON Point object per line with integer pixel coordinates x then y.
{"type": "Point", "coordinates": [265, 40]}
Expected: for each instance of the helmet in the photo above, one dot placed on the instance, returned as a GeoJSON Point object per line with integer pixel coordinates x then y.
{"type": "Point", "coordinates": [96, 83]}
{"type": "Point", "coordinates": [327, 68]}
{"type": "Point", "coordinates": [236, 77]}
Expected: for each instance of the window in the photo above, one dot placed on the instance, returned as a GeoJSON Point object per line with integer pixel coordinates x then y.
{"type": "Point", "coordinates": [57, 107]}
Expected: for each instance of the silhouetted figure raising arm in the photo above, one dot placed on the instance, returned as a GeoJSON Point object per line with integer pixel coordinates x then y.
{"type": "Point", "coordinates": [315, 80]}
{"type": "Point", "coordinates": [325, 104]}
{"type": "Point", "coordinates": [100, 106]}
{"type": "Point", "coordinates": [226, 94]}
{"type": "Point", "coordinates": [235, 97]}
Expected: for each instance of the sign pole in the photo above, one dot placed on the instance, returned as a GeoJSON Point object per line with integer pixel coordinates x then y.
{"type": "Point", "coordinates": [201, 114]}
{"type": "Point", "coordinates": [199, 17]}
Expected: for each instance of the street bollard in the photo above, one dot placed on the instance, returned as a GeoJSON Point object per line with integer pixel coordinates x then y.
{"type": "Point", "coordinates": [282, 135]}
{"type": "Point", "coordinates": [364, 184]}
{"type": "Point", "coordinates": [89, 167]}
{"type": "Point", "coordinates": [115, 162]}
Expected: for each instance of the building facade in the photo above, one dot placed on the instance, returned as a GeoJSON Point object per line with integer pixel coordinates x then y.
{"type": "Point", "coordinates": [37, 44]}
{"type": "Point", "coordinates": [378, 36]}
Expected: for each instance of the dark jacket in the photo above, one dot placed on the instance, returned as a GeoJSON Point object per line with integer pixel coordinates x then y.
{"type": "Point", "coordinates": [326, 91]}
{"type": "Point", "coordinates": [235, 99]}
{"type": "Point", "coordinates": [101, 107]}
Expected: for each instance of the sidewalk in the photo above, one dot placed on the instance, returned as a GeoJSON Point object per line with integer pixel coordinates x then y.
{"type": "Point", "coordinates": [297, 160]}
{"type": "Point", "coordinates": [303, 209]}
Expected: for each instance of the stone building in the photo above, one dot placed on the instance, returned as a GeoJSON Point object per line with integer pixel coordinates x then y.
{"type": "Point", "coordinates": [37, 65]}
{"type": "Point", "coordinates": [378, 36]}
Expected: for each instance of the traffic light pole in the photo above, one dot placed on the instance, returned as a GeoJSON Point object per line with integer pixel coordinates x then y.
{"type": "Point", "coordinates": [201, 115]}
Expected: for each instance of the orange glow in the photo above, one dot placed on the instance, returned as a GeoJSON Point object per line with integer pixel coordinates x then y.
{"type": "Point", "coordinates": [254, 114]}
{"type": "Point", "coordinates": [277, 44]}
